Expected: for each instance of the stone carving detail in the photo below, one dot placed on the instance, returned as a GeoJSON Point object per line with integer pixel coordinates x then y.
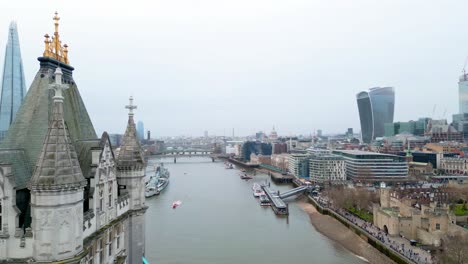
{"type": "Point", "coordinates": [46, 220]}
{"type": "Point", "coordinates": [64, 218]}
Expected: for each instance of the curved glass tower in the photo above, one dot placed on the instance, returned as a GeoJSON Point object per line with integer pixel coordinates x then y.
{"type": "Point", "coordinates": [13, 85]}
{"type": "Point", "coordinates": [376, 107]}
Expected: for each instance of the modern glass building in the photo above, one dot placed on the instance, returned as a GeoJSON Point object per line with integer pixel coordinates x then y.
{"type": "Point", "coordinates": [13, 84]}
{"type": "Point", "coordinates": [463, 94]}
{"type": "Point", "coordinates": [371, 166]}
{"type": "Point", "coordinates": [326, 167]}
{"type": "Point", "coordinates": [376, 107]}
{"type": "Point", "coordinates": [140, 130]}
{"type": "Point", "coordinates": [299, 165]}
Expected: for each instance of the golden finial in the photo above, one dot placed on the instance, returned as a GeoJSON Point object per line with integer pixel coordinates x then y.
{"type": "Point", "coordinates": [53, 47]}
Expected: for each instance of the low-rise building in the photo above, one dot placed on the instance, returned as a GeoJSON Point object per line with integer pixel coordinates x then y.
{"type": "Point", "coordinates": [454, 165]}
{"type": "Point", "coordinates": [417, 169]}
{"type": "Point", "coordinates": [280, 161]}
{"type": "Point", "coordinates": [260, 159]}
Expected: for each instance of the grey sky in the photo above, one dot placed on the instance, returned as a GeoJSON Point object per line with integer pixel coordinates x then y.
{"type": "Point", "coordinates": [249, 64]}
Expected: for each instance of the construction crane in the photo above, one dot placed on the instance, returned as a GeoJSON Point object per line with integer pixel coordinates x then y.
{"type": "Point", "coordinates": [464, 67]}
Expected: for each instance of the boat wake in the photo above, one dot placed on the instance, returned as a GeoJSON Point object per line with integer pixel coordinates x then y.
{"type": "Point", "coordinates": [361, 258]}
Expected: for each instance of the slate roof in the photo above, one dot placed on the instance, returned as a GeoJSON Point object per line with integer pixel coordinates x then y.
{"type": "Point", "coordinates": [20, 167]}
{"type": "Point", "coordinates": [30, 127]}
{"type": "Point", "coordinates": [84, 151]}
{"type": "Point", "coordinates": [58, 165]}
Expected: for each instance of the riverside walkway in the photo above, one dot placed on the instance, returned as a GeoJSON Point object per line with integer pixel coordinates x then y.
{"type": "Point", "coordinates": [398, 245]}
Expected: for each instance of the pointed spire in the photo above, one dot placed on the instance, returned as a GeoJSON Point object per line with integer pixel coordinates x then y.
{"type": "Point", "coordinates": [57, 166]}
{"type": "Point", "coordinates": [13, 84]}
{"type": "Point", "coordinates": [131, 153]}
{"type": "Point", "coordinates": [408, 150]}
{"type": "Point", "coordinates": [53, 47]}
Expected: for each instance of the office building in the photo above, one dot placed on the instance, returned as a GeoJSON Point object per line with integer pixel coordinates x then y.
{"type": "Point", "coordinates": [140, 130]}
{"type": "Point", "coordinates": [326, 167]}
{"type": "Point", "coordinates": [416, 128]}
{"type": "Point", "coordinates": [376, 107]}
{"type": "Point", "coordinates": [299, 165]}
{"type": "Point", "coordinates": [372, 166]}
{"type": "Point", "coordinates": [463, 94]}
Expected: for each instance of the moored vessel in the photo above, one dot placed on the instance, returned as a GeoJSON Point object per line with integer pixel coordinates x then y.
{"type": "Point", "coordinates": [157, 182]}
{"type": "Point", "coordinates": [258, 192]}
{"type": "Point", "coordinates": [264, 201]}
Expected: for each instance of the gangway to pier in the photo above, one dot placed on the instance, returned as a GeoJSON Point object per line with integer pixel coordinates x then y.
{"type": "Point", "coordinates": [294, 191]}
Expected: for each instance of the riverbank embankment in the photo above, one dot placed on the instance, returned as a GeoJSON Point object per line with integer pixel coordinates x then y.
{"type": "Point", "coordinates": [333, 229]}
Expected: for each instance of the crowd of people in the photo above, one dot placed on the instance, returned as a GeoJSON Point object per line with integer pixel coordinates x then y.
{"type": "Point", "coordinates": [398, 244]}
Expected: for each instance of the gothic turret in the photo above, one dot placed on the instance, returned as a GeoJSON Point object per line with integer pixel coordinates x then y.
{"type": "Point", "coordinates": [57, 190]}
{"type": "Point", "coordinates": [31, 123]}
{"type": "Point", "coordinates": [130, 154]}
{"type": "Point", "coordinates": [131, 181]}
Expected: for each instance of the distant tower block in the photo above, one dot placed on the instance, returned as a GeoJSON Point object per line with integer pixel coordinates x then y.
{"type": "Point", "coordinates": [140, 130]}
{"type": "Point", "coordinates": [148, 134]}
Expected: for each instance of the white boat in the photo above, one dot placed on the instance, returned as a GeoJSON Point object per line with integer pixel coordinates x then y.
{"type": "Point", "coordinates": [257, 193]}
{"type": "Point", "coordinates": [264, 201]}
{"type": "Point", "coordinates": [256, 186]}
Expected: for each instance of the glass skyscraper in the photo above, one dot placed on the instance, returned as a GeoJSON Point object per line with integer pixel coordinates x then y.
{"type": "Point", "coordinates": [463, 94]}
{"type": "Point", "coordinates": [140, 130]}
{"type": "Point", "coordinates": [376, 107]}
{"type": "Point", "coordinates": [13, 85]}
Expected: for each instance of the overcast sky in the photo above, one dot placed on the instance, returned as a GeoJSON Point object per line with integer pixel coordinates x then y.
{"type": "Point", "coordinates": [249, 64]}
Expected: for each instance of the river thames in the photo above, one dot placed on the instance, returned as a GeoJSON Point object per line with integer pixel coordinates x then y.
{"type": "Point", "coordinates": [219, 221]}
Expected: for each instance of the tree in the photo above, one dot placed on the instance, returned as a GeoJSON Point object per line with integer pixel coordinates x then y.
{"type": "Point", "coordinates": [454, 248]}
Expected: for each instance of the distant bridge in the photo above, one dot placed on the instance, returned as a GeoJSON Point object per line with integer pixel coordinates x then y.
{"type": "Point", "coordinates": [183, 152]}
{"type": "Point", "coordinates": [176, 153]}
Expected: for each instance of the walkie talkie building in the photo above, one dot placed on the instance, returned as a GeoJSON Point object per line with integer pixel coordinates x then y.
{"type": "Point", "coordinates": [376, 107]}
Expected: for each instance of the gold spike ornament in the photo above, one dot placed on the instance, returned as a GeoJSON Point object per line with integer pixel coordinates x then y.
{"type": "Point", "coordinates": [53, 46]}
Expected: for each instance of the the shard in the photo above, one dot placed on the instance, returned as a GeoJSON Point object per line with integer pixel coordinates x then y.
{"type": "Point", "coordinates": [13, 85]}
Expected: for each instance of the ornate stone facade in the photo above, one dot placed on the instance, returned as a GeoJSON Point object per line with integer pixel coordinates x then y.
{"type": "Point", "coordinates": [64, 195]}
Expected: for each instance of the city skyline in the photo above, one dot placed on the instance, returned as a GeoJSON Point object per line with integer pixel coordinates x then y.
{"type": "Point", "coordinates": [214, 61]}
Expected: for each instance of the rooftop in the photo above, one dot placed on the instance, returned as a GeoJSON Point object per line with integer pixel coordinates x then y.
{"type": "Point", "coordinates": [361, 152]}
